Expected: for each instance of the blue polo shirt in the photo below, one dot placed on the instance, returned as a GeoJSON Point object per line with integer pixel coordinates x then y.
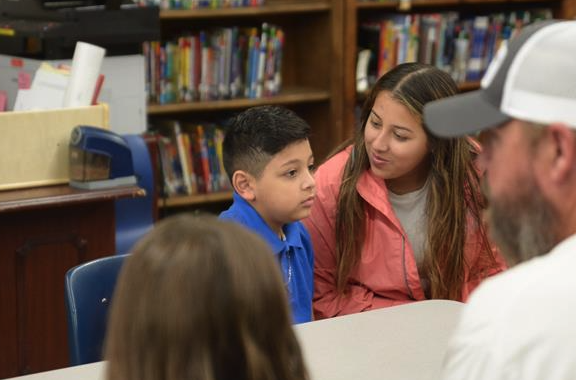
{"type": "Point", "coordinates": [295, 255]}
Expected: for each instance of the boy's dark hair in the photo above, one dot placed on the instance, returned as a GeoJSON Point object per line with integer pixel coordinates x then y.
{"type": "Point", "coordinates": [257, 134]}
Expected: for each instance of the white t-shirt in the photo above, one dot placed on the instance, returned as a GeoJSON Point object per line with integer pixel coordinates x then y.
{"type": "Point", "coordinates": [520, 324]}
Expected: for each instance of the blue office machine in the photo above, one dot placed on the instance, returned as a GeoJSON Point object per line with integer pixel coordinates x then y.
{"type": "Point", "coordinates": [99, 159]}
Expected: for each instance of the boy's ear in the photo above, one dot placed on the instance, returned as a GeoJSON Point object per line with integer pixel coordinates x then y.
{"type": "Point", "coordinates": [242, 183]}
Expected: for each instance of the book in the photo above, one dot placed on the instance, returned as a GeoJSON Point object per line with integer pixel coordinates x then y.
{"type": "Point", "coordinates": [176, 162]}
{"type": "Point", "coordinates": [476, 62]}
{"type": "Point", "coordinates": [364, 56]}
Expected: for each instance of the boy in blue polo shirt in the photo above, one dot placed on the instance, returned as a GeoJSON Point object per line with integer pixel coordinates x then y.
{"type": "Point", "coordinates": [268, 159]}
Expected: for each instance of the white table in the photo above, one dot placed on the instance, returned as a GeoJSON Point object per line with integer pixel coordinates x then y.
{"type": "Point", "coordinates": [93, 371]}
{"type": "Point", "coordinates": [398, 343]}
{"type": "Point", "coordinates": [405, 342]}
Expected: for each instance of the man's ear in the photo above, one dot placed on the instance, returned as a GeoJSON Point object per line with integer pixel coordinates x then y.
{"type": "Point", "coordinates": [564, 142]}
{"type": "Point", "coordinates": [243, 184]}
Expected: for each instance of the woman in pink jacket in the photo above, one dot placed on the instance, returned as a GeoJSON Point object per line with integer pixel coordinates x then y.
{"type": "Point", "coordinates": [397, 216]}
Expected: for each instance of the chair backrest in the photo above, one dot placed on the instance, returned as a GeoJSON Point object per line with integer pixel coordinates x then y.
{"type": "Point", "coordinates": [135, 216]}
{"type": "Point", "coordinates": [88, 292]}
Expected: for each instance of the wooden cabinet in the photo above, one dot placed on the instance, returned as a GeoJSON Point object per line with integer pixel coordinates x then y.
{"type": "Point", "coordinates": [43, 233]}
{"type": "Point", "coordinates": [357, 11]}
{"type": "Point", "coordinates": [312, 70]}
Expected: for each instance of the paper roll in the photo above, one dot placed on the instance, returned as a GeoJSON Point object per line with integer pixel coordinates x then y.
{"type": "Point", "coordinates": [86, 65]}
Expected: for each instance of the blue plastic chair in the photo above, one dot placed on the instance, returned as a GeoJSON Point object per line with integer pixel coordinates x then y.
{"type": "Point", "coordinates": [135, 216]}
{"type": "Point", "coordinates": [88, 292]}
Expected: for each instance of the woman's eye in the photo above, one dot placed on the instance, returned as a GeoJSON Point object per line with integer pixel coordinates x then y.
{"type": "Point", "coordinates": [292, 173]}
{"type": "Point", "coordinates": [400, 137]}
{"type": "Point", "coordinates": [375, 124]}
{"type": "Point", "coordinates": [311, 168]}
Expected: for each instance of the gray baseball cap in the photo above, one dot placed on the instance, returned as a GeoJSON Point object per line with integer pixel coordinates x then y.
{"type": "Point", "coordinates": [532, 78]}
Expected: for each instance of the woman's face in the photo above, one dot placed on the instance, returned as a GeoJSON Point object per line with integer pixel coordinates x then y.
{"type": "Point", "coordinates": [397, 145]}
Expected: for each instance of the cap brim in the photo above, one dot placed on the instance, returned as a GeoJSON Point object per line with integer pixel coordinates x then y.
{"type": "Point", "coordinates": [462, 115]}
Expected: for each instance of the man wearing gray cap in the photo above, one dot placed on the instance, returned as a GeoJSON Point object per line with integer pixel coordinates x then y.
{"type": "Point", "coordinates": [521, 324]}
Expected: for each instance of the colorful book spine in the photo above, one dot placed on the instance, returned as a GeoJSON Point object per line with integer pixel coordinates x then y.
{"type": "Point", "coordinates": [215, 64]}
{"type": "Point", "coordinates": [260, 69]}
{"type": "Point", "coordinates": [477, 49]}
{"type": "Point", "coordinates": [183, 157]}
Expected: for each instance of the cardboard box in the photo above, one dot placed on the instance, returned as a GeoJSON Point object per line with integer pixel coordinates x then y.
{"type": "Point", "coordinates": [34, 144]}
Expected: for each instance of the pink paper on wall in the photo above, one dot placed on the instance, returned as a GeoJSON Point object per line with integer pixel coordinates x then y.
{"type": "Point", "coordinates": [24, 80]}
{"type": "Point", "coordinates": [3, 101]}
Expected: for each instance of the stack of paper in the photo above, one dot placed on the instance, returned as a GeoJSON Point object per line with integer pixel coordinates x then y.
{"type": "Point", "coordinates": [63, 87]}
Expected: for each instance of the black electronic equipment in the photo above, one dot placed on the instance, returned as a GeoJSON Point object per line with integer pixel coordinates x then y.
{"type": "Point", "coordinates": [49, 29]}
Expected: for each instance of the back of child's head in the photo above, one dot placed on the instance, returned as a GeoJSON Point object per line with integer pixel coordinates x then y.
{"type": "Point", "coordinates": [201, 298]}
{"type": "Point", "coordinates": [257, 134]}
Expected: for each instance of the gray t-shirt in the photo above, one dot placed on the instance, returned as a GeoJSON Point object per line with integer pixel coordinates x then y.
{"type": "Point", "coordinates": [410, 209]}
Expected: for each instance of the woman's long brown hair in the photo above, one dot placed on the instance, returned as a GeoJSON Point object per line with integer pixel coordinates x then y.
{"type": "Point", "coordinates": [203, 299]}
{"type": "Point", "coordinates": [454, 192]}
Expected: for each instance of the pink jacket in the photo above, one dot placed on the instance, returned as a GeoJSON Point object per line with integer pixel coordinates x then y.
{"type": "Point", "coordinates": [387, 274]}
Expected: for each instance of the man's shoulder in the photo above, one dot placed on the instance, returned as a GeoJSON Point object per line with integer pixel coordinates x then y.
{"type": "Point", "coordinates": [539, 288]}
{"type": "Point", "coordinates": [500, 288]}
{"type": "Point", "coordinates": [533, 279]}
{"type": "Point", "coordinates": [516, 316]}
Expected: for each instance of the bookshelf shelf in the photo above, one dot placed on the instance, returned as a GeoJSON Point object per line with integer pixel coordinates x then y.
{"type": "Point", "coordinates": [197, 199]}
{"type": "Point", "coordinates": [395, 5]}
{"type": "Point", "coordinates": [288, 96]}
{"type": "Point", "coordinates": [264, 10]}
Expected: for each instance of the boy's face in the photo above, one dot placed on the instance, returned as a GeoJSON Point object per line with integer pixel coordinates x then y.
{"type": "Point", "coordinates": [286, 189]}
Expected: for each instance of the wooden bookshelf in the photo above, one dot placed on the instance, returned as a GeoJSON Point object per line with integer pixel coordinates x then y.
{"type": "Point", "coordinates": [272, 8]}
{"type": "Point", "coordinates": [319, 63]}
{"type": "Point", "coordinates": [356, 11]}
{"type": "Point", "coordinates": [312, 68]}
{"type": "Point", "coordinates": [290, 96]}
{"type": "Point", "coordinates": [396, 5]}
{"type": "Point", "coordinates": [197, 199]}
